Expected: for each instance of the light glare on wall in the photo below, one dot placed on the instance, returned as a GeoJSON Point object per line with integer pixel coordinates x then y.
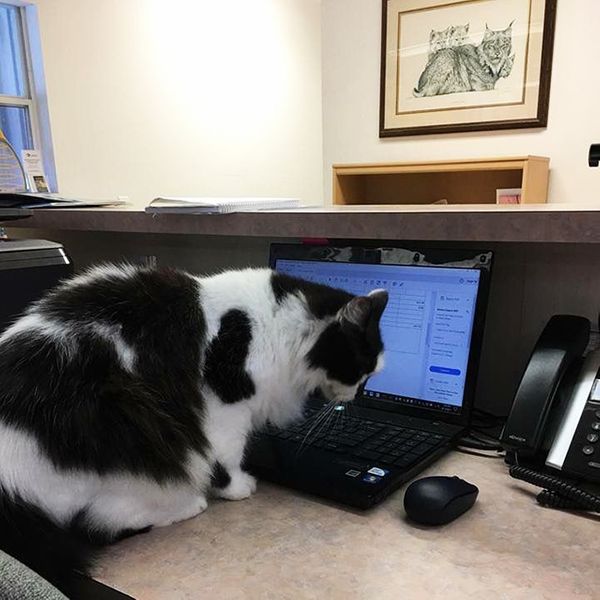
{"type": "Point", "coordinates": [226, 59]}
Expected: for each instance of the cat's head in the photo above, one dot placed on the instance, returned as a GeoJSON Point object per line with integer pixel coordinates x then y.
{"type": "Point", "coordinates": [458, 34]}
{"type": "Point", "coordinates": [496, 46]}
{"type": "Point", "coordinates": [438, 39]}
{"type": "Point", "coordinates": [350, 348]}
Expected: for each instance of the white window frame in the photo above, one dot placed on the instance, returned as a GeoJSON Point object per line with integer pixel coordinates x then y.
{"type": "Point", "coordinates": [37, 102]}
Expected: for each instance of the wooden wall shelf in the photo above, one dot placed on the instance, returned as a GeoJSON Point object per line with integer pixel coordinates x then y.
{"type": "Point", "coordinates": [456, 181]}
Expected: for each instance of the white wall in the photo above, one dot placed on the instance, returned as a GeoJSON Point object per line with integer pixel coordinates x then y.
{"type": "Point", "coordinates": [194, 97]}
{"type": "Point", "coordinates": [351, 62]}
{"type": "Point", "coordinates": [204, 97]}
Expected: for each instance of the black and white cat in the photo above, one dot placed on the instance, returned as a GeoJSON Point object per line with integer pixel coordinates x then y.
{"type": "Point", "coordinates": [127, 396]}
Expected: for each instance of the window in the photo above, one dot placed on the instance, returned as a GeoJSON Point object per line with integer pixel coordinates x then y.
{"type": "Point", "coordinates": [23, 118]}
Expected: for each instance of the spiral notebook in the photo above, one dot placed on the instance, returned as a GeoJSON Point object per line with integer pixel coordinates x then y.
{"type": "Point", "coordinates": [218, 205]}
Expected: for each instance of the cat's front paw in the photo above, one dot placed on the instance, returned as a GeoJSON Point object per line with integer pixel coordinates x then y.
{"type": "Point", "coordinates": [242, 485]}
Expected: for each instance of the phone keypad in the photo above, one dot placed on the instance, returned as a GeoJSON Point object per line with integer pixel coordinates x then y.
{"type": "Point", "coordinates": [592, 438]}
{"type": "Point", "coordinates": [583, 457]}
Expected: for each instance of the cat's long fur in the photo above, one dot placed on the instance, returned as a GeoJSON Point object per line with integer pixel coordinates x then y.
{"type": "Point", "coordinates": [127, 394]}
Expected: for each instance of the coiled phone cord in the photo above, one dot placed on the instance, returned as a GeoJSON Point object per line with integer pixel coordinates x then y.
{"type": "Point", "coordinates": [557, 490]}
{"type": "Point", "coordinates": [555, 500]}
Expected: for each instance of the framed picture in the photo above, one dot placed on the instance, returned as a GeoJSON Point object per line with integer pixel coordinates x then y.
{"type": "Point", "coordinates": [465, 65]}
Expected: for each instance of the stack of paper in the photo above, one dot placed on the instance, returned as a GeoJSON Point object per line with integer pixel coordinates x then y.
{"type": "Point", "coordinates": [218, 205]}
{"type": "Point", "coordinates": [33, 200]}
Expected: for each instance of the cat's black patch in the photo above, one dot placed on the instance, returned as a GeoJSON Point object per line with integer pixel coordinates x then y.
{"type": "Point", "coordinates": [225, 366]}
{"type": "Point", "coordinates": [31, 537]}
{"type": "Point", "coordinates": [322, 300]}
{"type": "Point", "coordinates": [342, 356]}
{"type": "Point", "coordinates": [88, 412]}
{"type": "Point", "coordinates": [348, 351]}
{"type": "Point", "coordinates": [219, 478]}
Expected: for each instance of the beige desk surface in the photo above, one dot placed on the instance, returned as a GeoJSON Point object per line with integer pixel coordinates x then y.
{"type": "Point", "coordinates": [280, 545]}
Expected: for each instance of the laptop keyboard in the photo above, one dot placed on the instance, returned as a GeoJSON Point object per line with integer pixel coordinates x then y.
{"type": "Point", "coordinates": [375, 442]}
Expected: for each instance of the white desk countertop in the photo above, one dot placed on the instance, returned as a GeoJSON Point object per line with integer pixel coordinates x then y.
{"type": "Point", "coordinates": [281, 545]}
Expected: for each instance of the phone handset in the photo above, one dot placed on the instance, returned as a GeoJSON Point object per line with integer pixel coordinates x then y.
{"type": "Point", "coordinates": [560, 345]}
{"type": "Point", "coordinates": [558, 350]}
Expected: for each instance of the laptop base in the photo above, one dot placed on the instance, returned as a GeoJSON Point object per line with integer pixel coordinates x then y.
{"type": "Point", "coordinates": [341, 474]}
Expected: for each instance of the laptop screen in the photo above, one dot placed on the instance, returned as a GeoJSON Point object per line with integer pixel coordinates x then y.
{"type": "Point", "coordinates": [427, 326]}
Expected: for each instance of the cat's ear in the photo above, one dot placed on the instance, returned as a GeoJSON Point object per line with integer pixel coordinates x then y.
{"type": "Point", "coordinates": [432, 35]}
{"type": "Point", "coordinates": [379, 300]}
{"type": "Point", "coordinates": [488, 32]}
{"type": "Point", "coordinates": [509, 28]}
{"type": "Point", "coordinates": [362, 310]}
{"type": "Point", "coordinates": [467, 27]}
{"type": "Point", "coordinates": [356, 312]}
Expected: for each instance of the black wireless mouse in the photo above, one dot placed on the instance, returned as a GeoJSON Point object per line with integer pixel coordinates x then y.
{"type": "Point", "coordinates": [438, 500]}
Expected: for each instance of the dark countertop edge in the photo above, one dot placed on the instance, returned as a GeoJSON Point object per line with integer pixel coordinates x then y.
{"type": "Point", "coordinates": [564, 226]}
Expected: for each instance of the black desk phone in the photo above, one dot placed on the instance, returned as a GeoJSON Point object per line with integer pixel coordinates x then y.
{"type": "Point", "coordinates": [552, 434]}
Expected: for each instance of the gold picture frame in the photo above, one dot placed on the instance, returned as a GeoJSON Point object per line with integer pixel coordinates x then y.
{"type": "Point", "coordinates": [465, 65]}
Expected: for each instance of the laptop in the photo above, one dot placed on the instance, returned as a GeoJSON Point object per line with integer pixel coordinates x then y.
{"type": "Point", "coordinates": [409, 414]}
